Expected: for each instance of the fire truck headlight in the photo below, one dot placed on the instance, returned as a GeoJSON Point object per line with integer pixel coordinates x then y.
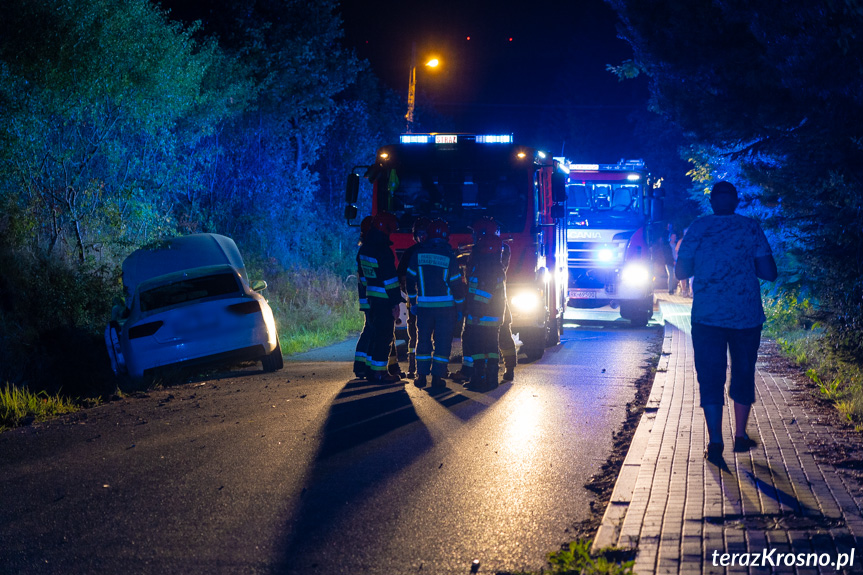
{"type": "Point", "coordinates": [635, 275]}
{"type": "Point", "coordinates": [605, 255]}
{"type": "Point", "coordinates": [525, 301]}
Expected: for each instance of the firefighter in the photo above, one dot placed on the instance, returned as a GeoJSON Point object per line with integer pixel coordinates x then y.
{"type": "Point", "coordinates": [436, 294]}
{"type": "Point", "coordinates": [485, 304]}
{"type": "Point", "coordinates": [481, 227]}
{"type": "Point", "coordinates": [419, 231]}
{"type": "Point", "coordinates": [361, 357]}
{"type": "Point", "coordinates": [378, 272]}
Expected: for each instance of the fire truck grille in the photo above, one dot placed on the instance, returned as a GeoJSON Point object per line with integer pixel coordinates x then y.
{"type": "Point", "coordinates": [595, 254]}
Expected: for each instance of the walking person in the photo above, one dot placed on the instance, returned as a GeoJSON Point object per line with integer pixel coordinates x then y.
{"type": "Point", "coordinates": [727, 254]}
{"type": "Point", "coordinates": [420, 228]}
{"type": "Point", "coordinates": [377, 268]}
{"type": "Point", "coordinates": [672, 248]}
{"type": "Point", "coordinates": [685, 284]}
{"type": "Point", "coordinates": [435, 291]}
{"type": "Point", "coordinates": [668, 256]}
{"type": "Point", "coordinates": [485, 305]}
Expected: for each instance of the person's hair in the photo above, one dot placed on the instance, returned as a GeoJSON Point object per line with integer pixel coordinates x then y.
{"type": "Point", "coordinates": [723, 198]}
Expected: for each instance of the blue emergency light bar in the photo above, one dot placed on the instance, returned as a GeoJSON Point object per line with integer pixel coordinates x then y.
{"type": "Point", "coordinates": [455, 138]}
{"type": "Point", "coordinates": [622, 165]}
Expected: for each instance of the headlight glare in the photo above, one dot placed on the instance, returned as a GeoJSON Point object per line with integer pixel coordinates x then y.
{"type": "Point", "coordinates": [525, 301]}
{"type": "Point", "coordinates": [635, 274]}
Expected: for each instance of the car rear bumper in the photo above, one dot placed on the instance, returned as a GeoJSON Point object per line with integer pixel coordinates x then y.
{"type": "Point", "coordinates": [251, 353]}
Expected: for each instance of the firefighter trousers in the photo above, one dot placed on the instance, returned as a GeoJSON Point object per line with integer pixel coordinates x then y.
{"type": "Point", "coordinates": [412, 342]}
{"type": "Point", "coordinates": [482, 342]}
{"type": "Point", "coordinates": [381, 337]}
{"type": "Point", "coordinates": [435, 326]}
{"type": "Point", "coordinates": [361, 355]}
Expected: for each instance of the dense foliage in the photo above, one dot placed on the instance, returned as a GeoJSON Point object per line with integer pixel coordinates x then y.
{"type": "Point", "coordinates": [771, 97]}
{"type": "Point", "coordinates": [123, 122]}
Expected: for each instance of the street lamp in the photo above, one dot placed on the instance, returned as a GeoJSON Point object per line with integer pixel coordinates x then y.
{"type": "Point", "coordinates": [412, 85]}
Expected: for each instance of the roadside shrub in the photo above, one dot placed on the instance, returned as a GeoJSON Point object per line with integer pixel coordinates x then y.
{"type": "Point", "coordinates": [51, 320]}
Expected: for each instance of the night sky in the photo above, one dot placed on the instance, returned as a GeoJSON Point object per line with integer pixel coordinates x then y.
{"type": "Point", "coordinates": [524, 68]}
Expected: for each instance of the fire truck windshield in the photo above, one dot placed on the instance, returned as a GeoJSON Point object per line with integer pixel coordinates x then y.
{"type": "Point", "coordinates": [457, 183]}
{"type": "Point", "coordinates": [605, 196]}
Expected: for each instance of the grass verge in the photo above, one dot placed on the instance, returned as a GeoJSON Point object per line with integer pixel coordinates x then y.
{"type": "Point", "coordinates": [575, 558]}
{"type": "Point", "coordinates": [838, 377]}
{"type": "Point", "coordinates": [19, 406]}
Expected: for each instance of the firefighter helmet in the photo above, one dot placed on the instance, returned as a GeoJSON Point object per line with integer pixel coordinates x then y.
{"type": "Point", "coordinates": [421, 225]}
{"type": "Point", "coordinates": [485, 226]}
{"type": "Point", "coordinates": [488, 245]}
{"type": "Point", "coordinates": [366, 225]}
{"type": "Point", "coordinates": [438, 229]}
{"type": "Point", "coordinates": [385, 222]}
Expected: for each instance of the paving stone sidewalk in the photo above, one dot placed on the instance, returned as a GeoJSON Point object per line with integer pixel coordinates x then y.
{"type": "Point", "coordinates": [682, 513]}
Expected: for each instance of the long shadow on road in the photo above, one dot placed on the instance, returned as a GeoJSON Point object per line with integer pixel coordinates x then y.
{"type": "Point", "coordinates": [372, 433]}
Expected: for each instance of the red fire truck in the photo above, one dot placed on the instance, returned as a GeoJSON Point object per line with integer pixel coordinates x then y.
{"type": "Point", "coordinates": [610, 209]}
{"type": "Point", "coordinates": [463, 177]}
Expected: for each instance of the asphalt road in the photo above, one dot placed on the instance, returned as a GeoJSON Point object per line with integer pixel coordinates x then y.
{"type": "Point", "coordinates": [302, 471]}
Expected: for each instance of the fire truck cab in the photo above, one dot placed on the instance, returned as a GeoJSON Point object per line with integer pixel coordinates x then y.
{"type": "Point", "coordinates": [610, 208]}
{"type": "Point", "coordinates": [464, 177]}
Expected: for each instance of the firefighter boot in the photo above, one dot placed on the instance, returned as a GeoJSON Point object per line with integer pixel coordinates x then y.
{"type": "Point", "coordinates": [509, 374]}
{"type": "Point", "coordinates": [412, 364]}
{"type": "Point", "coordinates": [421, 381]}
{"type": "Point", "coordinates": [491, 372]}
{"type": "Point", "coordinates": [383, 377]}
{"type": "Point", "coordinates": [360, 369]}
{"type": "Point", "coordinates": [462, 375]}
{"type": "Point", "coordinates": [437, 382]}
{"type": "Point", "coordinates": [478, 376]}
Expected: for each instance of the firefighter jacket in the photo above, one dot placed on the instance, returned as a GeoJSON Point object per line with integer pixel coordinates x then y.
{"type": "Point", "coordinates": [433, 277]}
{"type": "Point", "coordinates": [361, 287]}
{"type": "Point", "coordinates": [403, 265]}
{"type": "Point", "coordinates": [505, 257]}
{"type": "Point", "coordinates": [376, 266]}
{"type": "Point", "coordinates": [486, 298]}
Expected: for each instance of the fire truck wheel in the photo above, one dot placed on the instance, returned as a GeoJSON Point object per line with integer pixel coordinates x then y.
{"type": "Point", "coordinates": [552, 336]}
{"type": "Point", "coordinates": [533, 342]}
{"type": "Point", "coordinates": [637, 312]}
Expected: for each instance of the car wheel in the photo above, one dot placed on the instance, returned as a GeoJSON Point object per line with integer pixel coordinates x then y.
{"type": "Point", "coordinates": [274, 360]}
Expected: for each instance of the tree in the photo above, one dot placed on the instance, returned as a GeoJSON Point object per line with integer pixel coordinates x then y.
{"type": "Point", "coordinates": [778, 94]}
{"type": "Point", "coordinates": [103, 103]}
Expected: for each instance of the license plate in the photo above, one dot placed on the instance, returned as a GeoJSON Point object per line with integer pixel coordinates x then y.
{"type": "Point", "coordinates": [581, 294]}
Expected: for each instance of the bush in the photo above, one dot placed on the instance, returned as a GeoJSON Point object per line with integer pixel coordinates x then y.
{"type": "Point", "coordinates": [51, 320]}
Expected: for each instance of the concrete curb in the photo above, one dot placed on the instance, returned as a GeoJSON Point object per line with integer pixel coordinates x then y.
{"type": "Point", "coordinates": [609, 530]}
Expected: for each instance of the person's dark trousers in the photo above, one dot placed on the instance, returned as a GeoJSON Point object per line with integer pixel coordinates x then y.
{"type": "Point", "coordinates": [505, 341]}
{"type": "Point", "coordinates": [711, 346]}
{"type": "Point", "coordinates": [380, 339]}
{"type": "Point", "coordinates": [361, 355]}
{"type": "Point", "coordinates": [435, 327]}
{"type": "Point", "coordinates": [672, 279]}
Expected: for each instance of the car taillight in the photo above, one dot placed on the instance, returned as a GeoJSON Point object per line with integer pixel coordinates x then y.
{"type": "Point", "coordinates": [145, 329]}
{"type": "Point", "coordinates": [245, 308]}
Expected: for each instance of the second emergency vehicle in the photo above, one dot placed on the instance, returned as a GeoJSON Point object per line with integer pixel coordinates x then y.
{"type": "Point", "coordinates": [610, 209]}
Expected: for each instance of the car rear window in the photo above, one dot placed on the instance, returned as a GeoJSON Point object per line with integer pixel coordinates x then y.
{"type": "Point", "coordinates": [190, 289]}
